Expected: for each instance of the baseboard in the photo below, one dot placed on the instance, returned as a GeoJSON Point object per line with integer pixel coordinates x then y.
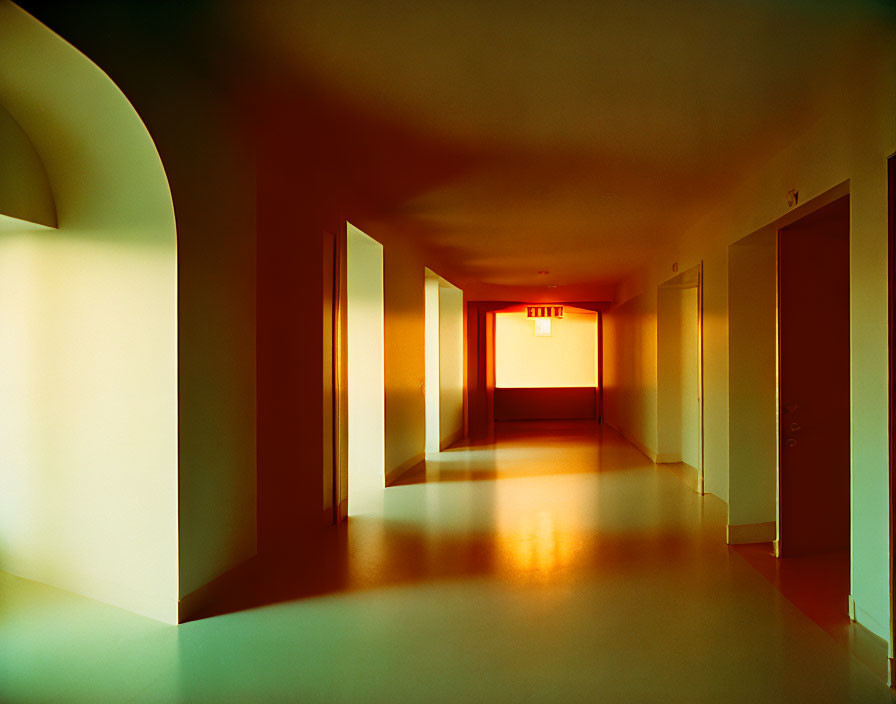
{"type": "Point", "coordinates": [866, 620]}
{"type": "Point", "coordinates": [192, 604]}
{"type": "Point", "coordinates": [689, 476]}
{"type": "Point", "coordinates": [451, 439]}
{"type": "Point", "coordinates": [646, 451]}
{"type": "Point", "coordinates": [393, 475]}
{"type": "Point", "coordinates": [748, 533]}
{"type": "Point", "coordinates": [104, 591]}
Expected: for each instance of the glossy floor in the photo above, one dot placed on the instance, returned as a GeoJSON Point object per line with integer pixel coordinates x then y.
{"type": "Point", "coordinates": [557, 565]}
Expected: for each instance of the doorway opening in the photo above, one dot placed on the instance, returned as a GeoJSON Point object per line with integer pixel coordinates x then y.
{"type": "Point", "coordinates": [680, 375]}
{"type": "Point", "coordinates": [444, 362]}
{"type": "Point", "coordinates": [788, 305]}
{"type": "Point", "coordinates": [365, 370]}
{"type": "Point", "coordinates": [546, 368]}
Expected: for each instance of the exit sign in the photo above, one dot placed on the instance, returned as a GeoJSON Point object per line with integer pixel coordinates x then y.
{"type": "Point", "coordinates": [544, 311]}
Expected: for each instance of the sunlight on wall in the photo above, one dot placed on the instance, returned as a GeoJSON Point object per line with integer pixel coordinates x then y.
{"type": "Point", "coordinates": [431, 350]}
{"type": "Point", "coordinates": [564, 359]}
{"type": "Point", "coordinates": [83, 438]}
{"type": "Point", "coordinates": [88, 340]}
{"type": "Point", "coordinates": [366, 375]}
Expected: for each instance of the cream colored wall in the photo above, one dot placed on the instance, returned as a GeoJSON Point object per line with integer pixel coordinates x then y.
{"type": "Point", "coordinates": [753, 384]}
{"type": "Point", "coordinates": [366, 371]}
{"type": "Point", "coordinates": [630, 371]}
{"type": "Point", "coordinates": [404, 360]}
{"type": "Point", "coordinates": [565, 359]}
{"type": "Point", "coordinates": [668, 372]}
{"type": "Point", "coordinates": [677, 375]}
{"type": "Point", "coordinates": [689, 380]}
{"type": "Point", "coordinates": [88, 348]}
{"type": "Point", "coordinates": [851, 141]}
{"type": "Point", "coordinates": [451, 365]}
{"type": "Point", "coordinates": [431, 351]}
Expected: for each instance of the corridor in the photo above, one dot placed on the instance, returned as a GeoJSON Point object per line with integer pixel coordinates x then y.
{"type": "Point", "coordinates": [556, 564]}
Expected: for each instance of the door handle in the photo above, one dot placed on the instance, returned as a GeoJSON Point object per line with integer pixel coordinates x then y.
{"type": "Point", "coordinates": [790, 442]}
{"type": "Point", "coordinates": [795, 427]}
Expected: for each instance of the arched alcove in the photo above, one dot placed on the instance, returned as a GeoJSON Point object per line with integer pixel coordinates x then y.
{"type": "Point", "coordinates": [88, 338]}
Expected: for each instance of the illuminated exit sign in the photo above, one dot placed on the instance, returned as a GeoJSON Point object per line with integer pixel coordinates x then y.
{"type": "Point", "coordinates": [544, 311]}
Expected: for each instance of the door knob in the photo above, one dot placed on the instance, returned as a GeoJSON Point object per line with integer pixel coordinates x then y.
{"type": "Point", "coordinates": [795, 427]}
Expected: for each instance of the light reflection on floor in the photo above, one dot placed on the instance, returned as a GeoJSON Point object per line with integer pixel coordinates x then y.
{"type": "Point", "coordinates": [559, 565]}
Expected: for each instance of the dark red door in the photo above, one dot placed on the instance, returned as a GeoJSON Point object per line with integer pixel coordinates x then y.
{"type": "Point", "coordinates": [813, 320]}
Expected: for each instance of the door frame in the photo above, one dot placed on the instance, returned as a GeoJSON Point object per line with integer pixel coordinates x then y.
{"type": "Point", "coordinates": [701, 433]}
{"type": "Point", "coordinates": [891, 313]}
{"type": "Point", "coordinates": [340, 373]}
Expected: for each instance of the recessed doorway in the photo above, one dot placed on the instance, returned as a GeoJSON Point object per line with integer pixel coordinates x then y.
{"type": "Point", "coordinates": [680, 376]}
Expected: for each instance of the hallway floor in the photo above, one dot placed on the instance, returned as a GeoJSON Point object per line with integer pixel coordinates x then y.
{"type": "Point", "coordinates": [557, 565]}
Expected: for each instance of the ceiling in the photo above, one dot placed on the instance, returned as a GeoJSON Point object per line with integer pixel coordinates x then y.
{"type": "Point", "coordinates": [561, 137]}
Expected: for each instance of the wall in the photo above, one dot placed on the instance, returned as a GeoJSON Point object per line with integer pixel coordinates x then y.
{"type": "Point", "coordinates": [753, 383]}
{"type": "Point", "coordinates": [690, 389]}
{"type": "Point", "coordinates": [451, 365]}
{"type": "Point", "coordinates": [366, 371]}
{"type": "Point", "coordinates": [850, 142]}
{"type": "Point", "coordinates": [678, 383]}
{"type": "Point", "coordinates": [405, 364]}
{"type": "Point", "coordinates": [24, 188]}
{"type": "Point", "coordinates": [431, 344]}
{"type": "Point", "coordinates": [566, 358]}
{"type": "Point", "coordinates": [88, 404]}
{"type": "Point", "coordinates": [630, 371]}
{"type": "Point", "coordinates": [669, 335]}
{"type": "Point", "coordinates": [190, 97]}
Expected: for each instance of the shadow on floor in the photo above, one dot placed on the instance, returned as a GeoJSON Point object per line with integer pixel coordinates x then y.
{"type": "Point", "coordinates": [818, 585]}
{"type": "Point", "coordinates": [524, 449]}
